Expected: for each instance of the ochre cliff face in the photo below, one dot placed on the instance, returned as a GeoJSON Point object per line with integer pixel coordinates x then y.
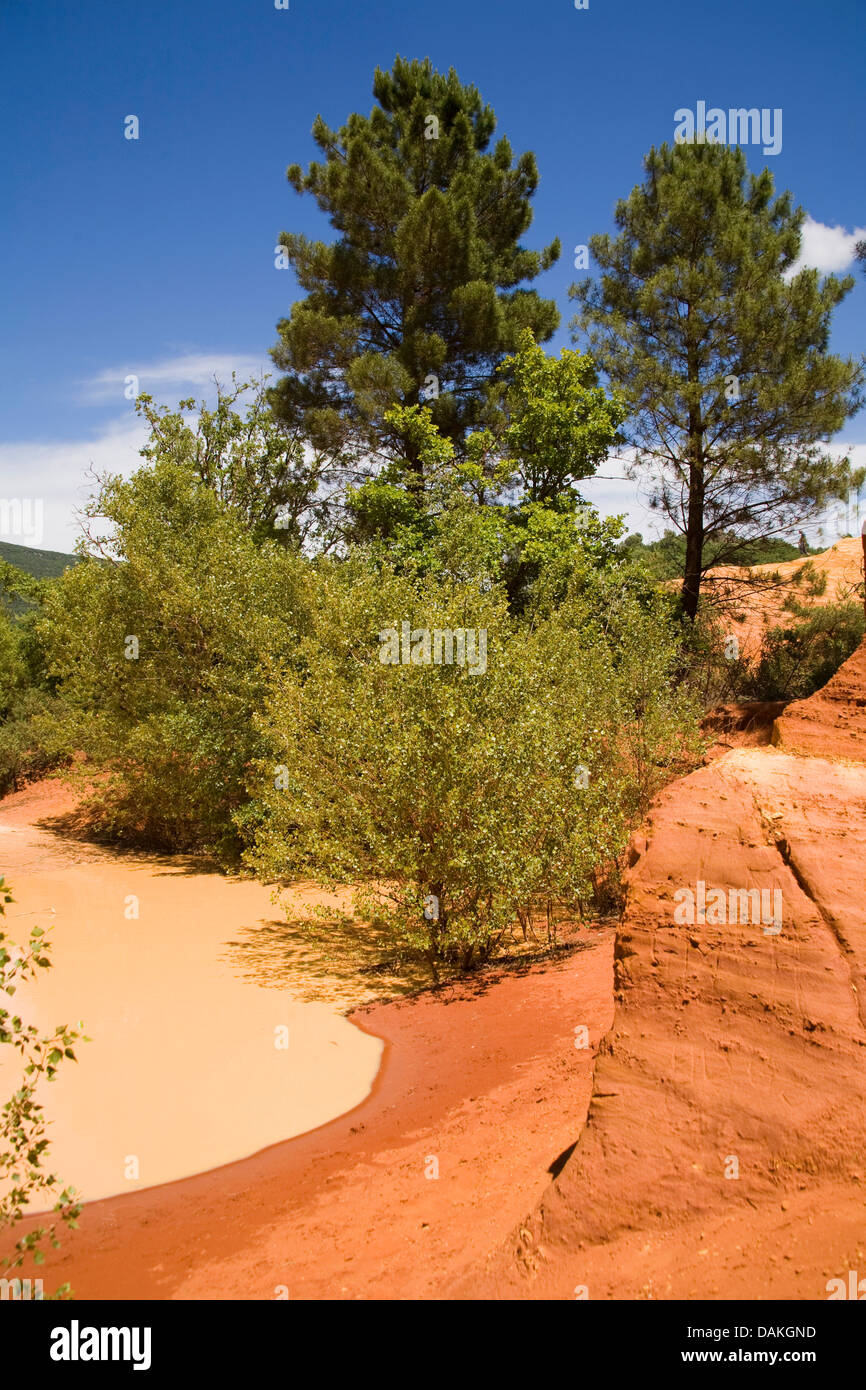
{"type": "Point", "coordinates": [725, 1147]}
{"type": "Point", "coordinates": [832, 722]}
{"type": "Point", "coordinates": [755, 608]}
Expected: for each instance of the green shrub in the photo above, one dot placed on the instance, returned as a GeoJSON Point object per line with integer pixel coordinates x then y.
{"type": "Point", "coordinates": [24, 1143]}
{"type": "Point", "coordinates": [34, 739]}
{"type": "Point", "coordinates": [494, 796]}
{"type": "Point", "coordinates": [31, 743]}
{"type": "Point", "coordinates": [161, 653]}
{"type": "Point", "coordinates": [800, 658]}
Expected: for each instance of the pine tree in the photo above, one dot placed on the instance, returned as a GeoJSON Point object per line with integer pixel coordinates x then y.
{"type": "Point", "coordinates": [424, 290]}
{"type": "Point", "coordinates": [720, 353]}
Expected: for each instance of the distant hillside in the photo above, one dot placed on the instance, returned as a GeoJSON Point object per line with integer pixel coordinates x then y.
{"type": "Point", "coordinates": [665, 557]}
{"type": "Point", "coordinates": [42, 564]}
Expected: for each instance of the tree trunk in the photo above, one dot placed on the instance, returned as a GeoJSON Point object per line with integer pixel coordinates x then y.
{"type": "Point", "coordinates": [694, 542]}
{"type": "Point", "coordinates": [695, 521]}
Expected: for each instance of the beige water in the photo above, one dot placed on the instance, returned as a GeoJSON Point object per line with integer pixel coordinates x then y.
{"type": "Point", "coordinates": [189, 990]}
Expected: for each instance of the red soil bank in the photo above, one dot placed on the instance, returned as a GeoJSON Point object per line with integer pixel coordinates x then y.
{"type": "Point", "coordinates": [728, 1044]}
{"type": "Point", "coordinates": [831, 723]}
{"type": "Point", "coordinates": [748, 724]}
{"type": "Point", "coordinates": [752, 611]}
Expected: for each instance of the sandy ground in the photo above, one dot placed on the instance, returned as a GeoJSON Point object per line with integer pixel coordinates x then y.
{"type": "Point", "coordinates": [184, 1005]}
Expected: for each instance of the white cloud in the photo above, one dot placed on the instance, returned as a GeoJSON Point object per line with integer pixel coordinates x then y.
{"type": "Point", "coordinates": [53, 473]}
{"type": "Point", "coordinates": [175, 375]}
{"type": "Point", "coordinates": [50, 477]}
{"type": "Point", "coordinates": [614, 494]}
{"type": "Point", "coordinates": [828, 249]}
{"type": "Point", "coordinates": [842, 519]}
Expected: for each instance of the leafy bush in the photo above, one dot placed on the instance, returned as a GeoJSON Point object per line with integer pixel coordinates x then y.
{"type": "Point", "coordinates": [23, 1138]}
{"type": "Point", "coordinates": [161, 649]}
{"type": "Point", "coordinates": [800, 658]}
{"type": "Point", "coordinates": [813, 581]}
{"type": "Point", "coordinates": [229, 693]}
{"type": "Point", "coordinates": [509, 500]}
{"type": "Point", "coordinates": [258, 469]}
{"type": "Point", "coordinates": [461, 803]}
{"type": "Point", "coordinates": [34, 739]}
{"type": "Point", "coordinates": [31, 742]}
{"type": "Point", "coordinates": [795, 660]}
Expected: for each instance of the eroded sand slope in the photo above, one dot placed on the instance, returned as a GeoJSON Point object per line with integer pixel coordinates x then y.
{"type": "Point", "coordinates": [755, 599]}
{"type": "Point", "coordinates": [479, 1094]}
{"type": "Point", "coordinates": [734, 1049]}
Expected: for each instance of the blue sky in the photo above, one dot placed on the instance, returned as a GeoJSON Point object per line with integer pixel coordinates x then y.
{"type": "Point", "coordinates": [156, 256]}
